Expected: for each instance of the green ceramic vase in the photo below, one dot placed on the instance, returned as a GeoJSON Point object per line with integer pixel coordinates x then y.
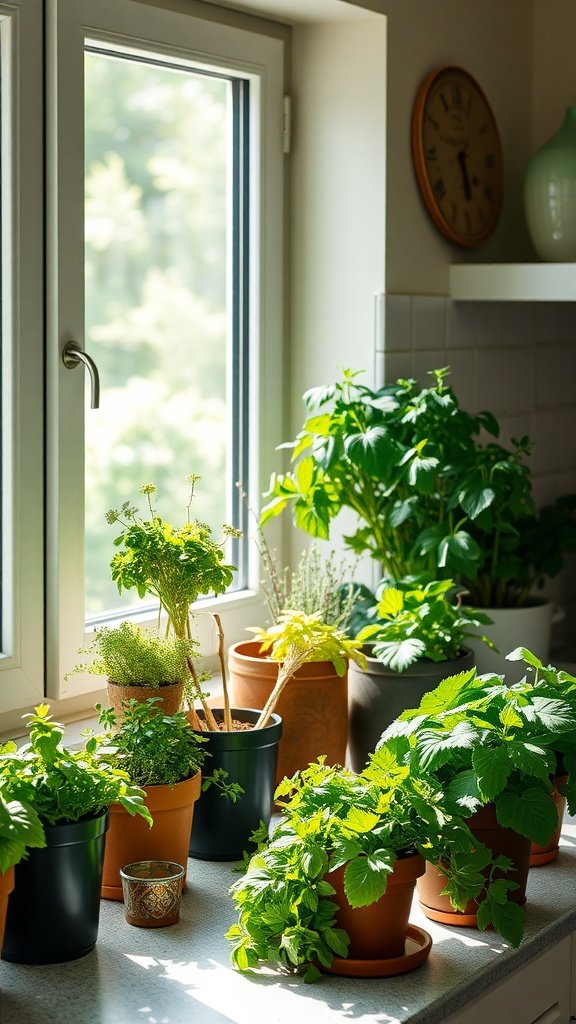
{"type": "Point", "coordinates": [550, 195]}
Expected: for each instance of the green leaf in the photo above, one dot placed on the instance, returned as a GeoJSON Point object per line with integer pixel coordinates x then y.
{"type": "Point", "coordinates": [337, 939]}
{"type": "Point", "coordinates": [399, 654]}
{"type": "Point", "coordinates": [531, 813]}
{"type": "Point", "coordinates": [531, 759]}
{"type": "Point", "coordinates": [358, 820]}
{"type": "Point", "coordinates": [509, 920]}
{"type": "Point", "coordinates": [523, 654]}
{"type": "Point", "coordinates": [391, 602]}
{"type": "Point", "coordinates": [493, 769]}
{"type": "Point", "coordinates": [371, 451]}
{"type": "Point", "coordinates": [499, 889]}
{"type": "Point", "coordinates": [436, 747]}
{"type": "Point", "coordinates": [362, 884]}
{"type": "Point", "coordinates": [555, 715]}
{"type": "Point", "coordinates": [459, 551]}
{"type": "Point", "coordinates": [474, 502]}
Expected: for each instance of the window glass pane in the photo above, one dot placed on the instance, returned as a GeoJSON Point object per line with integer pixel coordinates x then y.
{"type": "Point", "coordinates": [159, 164]}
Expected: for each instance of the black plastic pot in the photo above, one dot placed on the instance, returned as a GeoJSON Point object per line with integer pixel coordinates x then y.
{"type": "Point", "coordinates": [54, 910]}
{"type": "Point", "coordinates": [221, 828]}
{"type": "Point", "coordinates": [377, 695]}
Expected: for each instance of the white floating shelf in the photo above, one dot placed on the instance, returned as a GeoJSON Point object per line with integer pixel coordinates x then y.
{"type": "Point", "coordinates": [513, 282]}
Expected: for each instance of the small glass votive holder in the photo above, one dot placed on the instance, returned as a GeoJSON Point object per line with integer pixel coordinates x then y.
{"type": "Point", "coordinates": [152, 890]}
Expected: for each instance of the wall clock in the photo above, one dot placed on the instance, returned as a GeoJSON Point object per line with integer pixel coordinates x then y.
{"type": "Point", "coordinates": [457, 155]}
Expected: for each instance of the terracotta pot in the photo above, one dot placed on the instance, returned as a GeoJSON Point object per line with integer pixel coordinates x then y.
{"type": "Point", "coordinates": [170, 694]}
{"type": "Point", "coordinates": [6, 887]}
{"type": "Point", "coordinates": [545, 854]}
{"type": "Point", "coordinates": [313, 706]}
{"type": "Point", "coordinates": [377, 695]}
{"type": "Point", "coordinates": [130, 838]}
{"type": "Point", "coordinates": [379, 930]}
{"type": "Point", "coordinates": [502, 842]}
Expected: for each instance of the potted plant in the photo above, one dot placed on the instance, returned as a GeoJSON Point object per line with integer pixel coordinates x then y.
{"type": "Point", "coordinates": [162, 755]}
{"type": "Point", "coordinates": [314, 706]}
{"type": "Point", "coordinates": [552, 683]}
{"type": "Point", "coordinates": [140, 664]}
{"type": "Point", "coordinates": [308, 895]}
{"type": "Point", "coordinates": [432, 499]}
{"type": "Point", "coordinates": [491, 748]}
{"type": "Point", "coordinates": [176, 566]}
{"type": "Point", "coordinates": [71, 792]}
{"type": "Point", "coordinates": [415, 636]}
{"type": "Point", "coordinates": [20, 830]}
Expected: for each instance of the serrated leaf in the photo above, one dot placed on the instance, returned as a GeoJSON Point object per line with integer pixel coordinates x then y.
{"type": "Point", "coordinates": [493, 769]}
{"type": "Point", "coordinates": [555, 715]}
{"type": "Point", "coordinates": [531, 813]}
{"type": "Point", "coordinates": [399, 654]}
{"type": "Point", "coordinates": [499, 890]}
{"type": "Point", "coordinates": [337, 939]}
{"type": "Point", "coordinates": [531, 759]}
{"type": "Point", "coordinates": [435, 747]}
{"type": "Point", "coordinates": [362, 884]}
{"type": "Point", "coordinates": [509, 919]}
{"type": "Point", "coordinates": [361, 821]}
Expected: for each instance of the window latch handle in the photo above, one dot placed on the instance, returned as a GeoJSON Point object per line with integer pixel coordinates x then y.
{"type": "Point", "coordinates": [72, 355]}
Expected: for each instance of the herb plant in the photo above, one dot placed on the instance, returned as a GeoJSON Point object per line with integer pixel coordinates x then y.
{"type": "Point", "coordinates": [176, 566]}
{"type": "Point", "coordinates": [152, 748]}
{"type": "Point", "coordinates": [297, 639]}
{"type": "Point", "coordinates": [420, 622]}
{"type": "Point", "coordinates": [489, 743]}
{"type": "Point", "coordinates": [363, 823]}
{"type": "Point", "coordinates": [63, 785]}
{"type": "Point", "coordinates": [20, 830]}
{"type": "Point", "coordinates": [432, 499]}
{"type": "Point", "coordinates": [131, 656]}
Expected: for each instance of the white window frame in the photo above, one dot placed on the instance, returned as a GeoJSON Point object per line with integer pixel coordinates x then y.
{"type": "Point", "coordinates": [22, 658]}
{"type": "Point", "coordinates": [259, 57]}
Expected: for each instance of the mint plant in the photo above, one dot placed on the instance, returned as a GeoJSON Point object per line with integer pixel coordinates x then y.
{"type": "Point", "coordinates": [413, 622]}
{"type": "Point", "coordinates": [363, 823]}
{"type": "Point", "coordinates": [63, 785]}
{"type": "Point", "coordinates": [20, 831]}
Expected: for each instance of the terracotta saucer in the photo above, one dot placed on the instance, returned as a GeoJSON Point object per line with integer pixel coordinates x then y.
{"type": "Point", "coordinates": [537, 859]}
{"type": "Point", "coordinates": [418, 946]}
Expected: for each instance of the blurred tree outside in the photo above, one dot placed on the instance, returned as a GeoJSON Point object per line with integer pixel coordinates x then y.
{"type": "Point", "coordinates": [157, 170]}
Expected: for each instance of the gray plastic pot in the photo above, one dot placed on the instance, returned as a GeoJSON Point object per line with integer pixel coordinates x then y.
{"type": "Point", "coordinates": [377, 695]}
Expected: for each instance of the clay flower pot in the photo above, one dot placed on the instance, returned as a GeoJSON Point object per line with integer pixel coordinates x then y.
{"type": "Point", "coordinates": [382, 942]}
{"type": "Point", "coordinates": [546, 854]}
{"type": "Point", "coordinates": [170, 695]}
{"type": "Point", "coordinates": [6, 886]}
{"type": "Point", "coordinates": [130, 838]}
{"type": "Point", "coordinates": [313, 706]}
{"type": "Point", "coordinates": [502, 842]}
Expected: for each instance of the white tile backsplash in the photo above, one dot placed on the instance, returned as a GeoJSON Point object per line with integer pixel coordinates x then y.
{"type": "Point", "coordinates": [518, 360]}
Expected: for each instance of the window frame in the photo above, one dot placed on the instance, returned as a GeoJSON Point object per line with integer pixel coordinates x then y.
{"type": "Point", "coordinates": [249, 54]}
{"type": "Point", "coordinates": [22, 283]}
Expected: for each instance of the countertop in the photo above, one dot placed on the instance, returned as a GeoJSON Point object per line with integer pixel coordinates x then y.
{"type": "Point", "coordinates": [182, 974]}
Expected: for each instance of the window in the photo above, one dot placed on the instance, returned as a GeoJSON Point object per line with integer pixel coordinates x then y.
{"type": "Point", "coordinates": [163, 262]}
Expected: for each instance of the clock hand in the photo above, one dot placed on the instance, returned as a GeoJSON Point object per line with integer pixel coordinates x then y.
{"type": "Point", "coordinates": [465, 178]}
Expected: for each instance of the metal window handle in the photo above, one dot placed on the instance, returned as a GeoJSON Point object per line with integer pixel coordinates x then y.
{"type": "Point", "coordinates": [72, 355]}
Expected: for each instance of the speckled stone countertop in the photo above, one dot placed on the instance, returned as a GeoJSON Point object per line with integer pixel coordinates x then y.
{"type": "Point", "coordinates": [182, 975]}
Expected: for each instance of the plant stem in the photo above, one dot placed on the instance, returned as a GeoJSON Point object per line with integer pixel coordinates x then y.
{"type": "Point", "coordinates": [287, 669]}
{"type": "Point", "coordinates": [227, 715]}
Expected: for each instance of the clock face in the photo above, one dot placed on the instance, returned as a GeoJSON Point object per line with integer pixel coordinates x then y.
{"type": "Point", "coordinates": [457, 155]}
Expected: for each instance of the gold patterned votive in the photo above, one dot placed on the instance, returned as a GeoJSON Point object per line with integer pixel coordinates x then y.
{"type": "Point", "coordinates": [152, 890]}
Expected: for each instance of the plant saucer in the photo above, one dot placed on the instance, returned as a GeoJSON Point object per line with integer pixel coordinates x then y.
{"type": "Point", "coordinates": [417, 949]}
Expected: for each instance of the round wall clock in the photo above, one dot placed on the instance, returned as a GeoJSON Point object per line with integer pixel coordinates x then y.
{"type": "Point", "coordinates": [457, 155]}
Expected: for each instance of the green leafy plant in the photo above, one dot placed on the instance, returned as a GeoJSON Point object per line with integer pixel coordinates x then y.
{"type": "Point", "coordinates": [131, 656]}
{"type": "Point", "coordinates": [415, 622]}
{"type": "Point", "coordinates": [362, 823]}
{"type": "Point", "coordinates": [20, 830]}
{"type": "Point", "coordinates": [151, 747]}
{"type": "Point", "coordinates": [176, 566]}
{"type": "Point", "coordinates": [490, 743]}
{"type": "Point", "coordinates": [432, 499]}
{"type": "Point", "coordinates": [297, 639]}
{"type": "Point", "coordinates": [319, 585]}
{"type": "Point", "coordinates": [63, 785]}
